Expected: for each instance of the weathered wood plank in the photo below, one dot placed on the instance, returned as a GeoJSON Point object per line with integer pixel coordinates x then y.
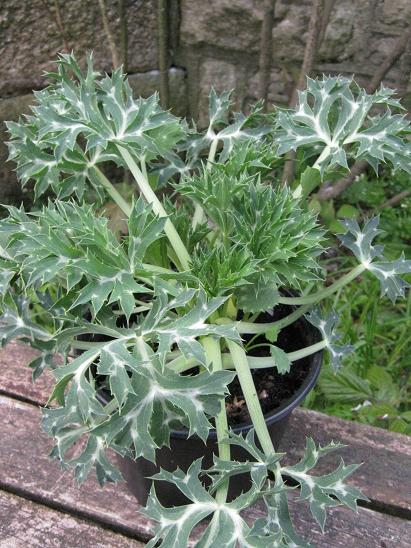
{"type": "Point", "coordinates": [385, 476]}
{"type": "Point", "coordinates": [15, 376]}
{"type": "Point", "coordinates": [27, 470]}
{"type": "Point", "coordinates": [366, 529]}
{"type": "Point", "coordinates": [24, 523]}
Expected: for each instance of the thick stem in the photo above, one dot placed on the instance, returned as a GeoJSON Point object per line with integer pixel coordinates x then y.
{"type": "Point", "coordinates": [213, 354]}
{"type": "Point", "coordinates": [114, 194]}
{"type": "Point", "coordinates": [198, 216]}
{"type": "Point", "coordinates": [182, 364]}
{"type": "Point", "coordinates": [150, 196]}
{"type": "Point", "coordinates": [266, 362]}
{"type": "Point", "coordinates": [319, 295]}
{"type": "Point", "coordinates": [144, 167]}
{"type": "Point", "coordinates": [257, 328]}
{"type": "Point", "coordinates": [251, 397]}
{"type": "Point", "coordinates": [299, 189]}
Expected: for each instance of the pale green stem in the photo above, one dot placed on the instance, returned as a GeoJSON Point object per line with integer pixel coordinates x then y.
{"type": "Point", "coordinates": [299, 189]}
{"type": "Point", "coordinates": [198, 216]}
{"type": "Point", "coordinates": [85, 345]}
{"type": "Point", "coordinates": [115, 195]}
{"type": "Point", "coordinates": [182, 364]}
{"type": "Point", "coordinates": [150, 196]}
{"type": "Point", "coordinates": [141, 345]}
{"type": "Point", "coordinates": [326, 292]}
{"type": "Point", "coordinates": [255, 362]}
{"type": "Point", "coordinates": [250, 396]}
{"type": "Point", "coordinates": [261, 328]}
{"type": "Point", "coordinates": [144, 167]}
{"type": "Point", "coordinates": [135, 310]}
{"type": "Point", "coordinates": [213, 355]}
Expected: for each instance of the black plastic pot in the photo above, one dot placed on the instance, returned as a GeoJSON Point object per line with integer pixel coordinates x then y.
{"type": "Point", "coordinates": [183, 451]}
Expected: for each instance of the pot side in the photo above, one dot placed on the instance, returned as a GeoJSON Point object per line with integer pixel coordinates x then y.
{"type": "Point", "coordinates": [183, 451]}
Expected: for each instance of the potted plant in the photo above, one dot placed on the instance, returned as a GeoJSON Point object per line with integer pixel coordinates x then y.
{"type": "Point", "coordinates": [209, 295]}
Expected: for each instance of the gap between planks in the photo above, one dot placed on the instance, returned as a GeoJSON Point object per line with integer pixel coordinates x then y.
{"type": "Point", "coordinates": [29, 472]}
{"type": "Point", "coordinates": [386, 455]}
{"type": "Point", "coordinates": [302, 419]}
{"type": "Point", "coordinates": [26, 523]}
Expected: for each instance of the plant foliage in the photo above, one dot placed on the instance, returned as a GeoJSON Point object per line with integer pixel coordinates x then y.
{"type": "Point", "coordinates": [149, 322]}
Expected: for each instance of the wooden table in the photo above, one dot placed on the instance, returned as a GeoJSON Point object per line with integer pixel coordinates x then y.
{"type": "Point", "coordinates": [40, 505]}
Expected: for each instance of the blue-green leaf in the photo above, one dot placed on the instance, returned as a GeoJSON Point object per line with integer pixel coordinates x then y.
{"type": "Point", "coordinates": [335, 114]}
{"type": "Point", "coordinates": [326, 327]}
{"type": "Point", "coordinates": [360, 242]}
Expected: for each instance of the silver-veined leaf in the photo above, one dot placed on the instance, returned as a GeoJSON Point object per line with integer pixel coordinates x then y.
{"type": "Point", "coordinates": [326, 327]}
{"type": "Point", "coordinates": [335, 114]}
{"type": "Point", "coordinates": [360, 242]}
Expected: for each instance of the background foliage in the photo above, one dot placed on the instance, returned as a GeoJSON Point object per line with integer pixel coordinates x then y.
{"type": "Point", "coordinates": [374, 386]}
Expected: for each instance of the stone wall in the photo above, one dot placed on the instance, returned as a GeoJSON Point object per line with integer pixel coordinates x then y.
{"type": "Point", "coordinates": [219, 45]}
{"type": "Point", "coordinates": [212, 43]}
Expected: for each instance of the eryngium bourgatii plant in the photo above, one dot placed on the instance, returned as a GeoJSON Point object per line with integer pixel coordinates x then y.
{"type": "Point", "coordinates": [164, 298]}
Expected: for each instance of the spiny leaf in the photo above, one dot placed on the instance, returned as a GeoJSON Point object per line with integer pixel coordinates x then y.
{"type": "Point", "coordinates": [326, 327]}
{"type": "Point", "coordinates": [319, 490]}
{"type": "Point", "coordinates": [258, 296]}
{"type": "Point", "coordinates": [143, 229]}
{"type": "Point", "coordinates": [186, 328]}
{"type": "Point", "coordinates": [387, 272]}
{"type": "Point", "coordinates": [94, 455]}
{"type": "Point", "coordinates": [258, 466]}
{"type": "Point", "coordinates": [140, 389]}
{"type": "Point", "coordinates": [285, 240]}
{"type": "Point", "coordinates": [242, 129]}
{"type": "Point", "coordinates": [228, 529]}
{"type": "Point", "coordinates": [67, 241]}
{"type": "Point", "coordinates": [281, 361]}
{"type": "Point", "coordinates": [220, 271]}
{"type": "Point", "coordinates": [153, 390]}
{"type": "Point", "coordinates": [360, 243]}
{"type": "Point", "coordinates": [116, 363]}
{"type": "Point", "coordinates": [278, 523]}
{"type": "Point", "coordinates": [45, 360]}
{"type": "Point", "coordinates": [80, 107]}
{"type": "Point", "coordinates": [335, 113]}
{"type": "Point", "coordinates": [15, 322]}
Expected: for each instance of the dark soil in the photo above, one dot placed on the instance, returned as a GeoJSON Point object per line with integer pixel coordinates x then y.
{"type": "Point", "coordinates": [273, 388]}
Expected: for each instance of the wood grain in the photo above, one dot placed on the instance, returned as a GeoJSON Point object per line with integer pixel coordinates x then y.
{"type": "Point", "coordinates": [385, 476]}
{"type": "Point", "coordinates": [15, 376]}
{"type": "Point", "coordinates": [26, 470]}
{"type": "Point", "coordinates": [24, 523]}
